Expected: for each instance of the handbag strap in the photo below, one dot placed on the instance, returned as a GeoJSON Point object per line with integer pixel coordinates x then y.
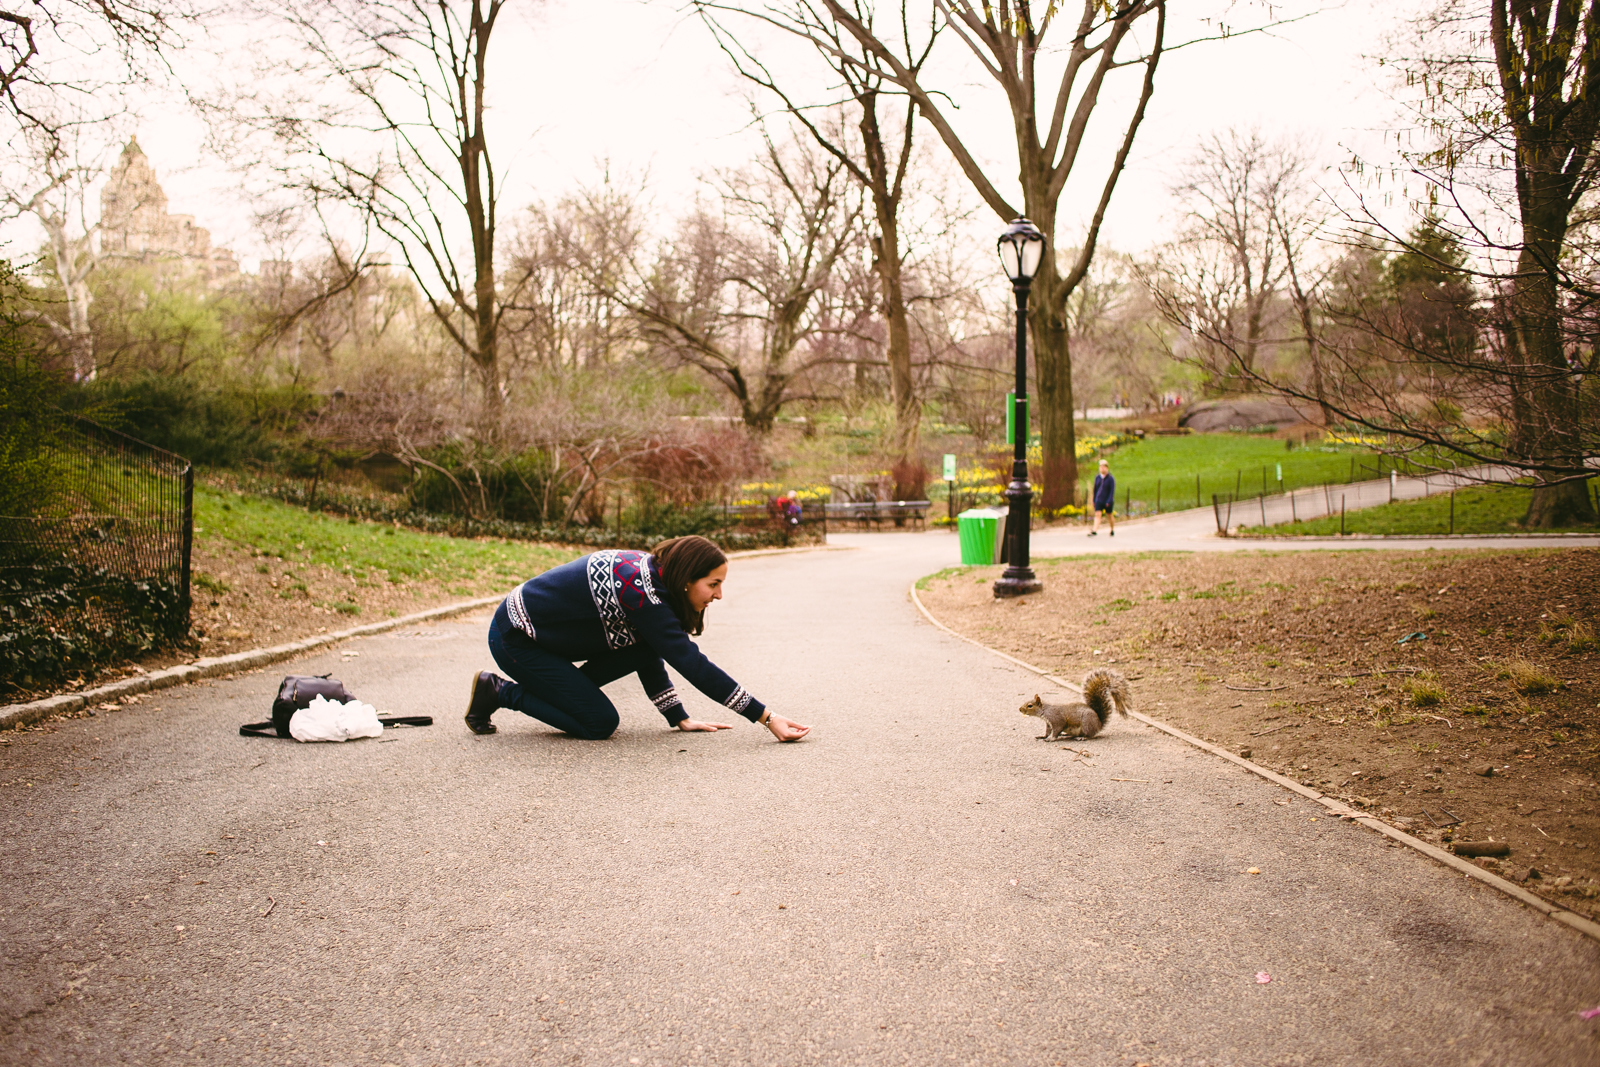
{"type": "Point", "coordinates": [406, 720]}
{"type": "Point", "coordinates": [270, 729]}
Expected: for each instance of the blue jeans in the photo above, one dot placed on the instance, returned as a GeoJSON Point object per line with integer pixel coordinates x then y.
{"type": "Point", "coordinates": [554, 690]}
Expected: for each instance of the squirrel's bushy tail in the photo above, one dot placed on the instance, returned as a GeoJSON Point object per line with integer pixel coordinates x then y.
{"type": "Point", "coordinates": [1104, 688]}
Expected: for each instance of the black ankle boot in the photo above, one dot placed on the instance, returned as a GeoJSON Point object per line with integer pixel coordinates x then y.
{"type": "Point", "coordinates": [484, 702]}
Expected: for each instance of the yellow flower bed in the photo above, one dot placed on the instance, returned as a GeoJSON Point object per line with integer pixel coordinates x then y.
{"type": "Point", "coordinates": [1336, 437]}
{"type": "Point", "coordinates": [765, 492]}
{"type": "Point", "coordinates": [1088, 446]}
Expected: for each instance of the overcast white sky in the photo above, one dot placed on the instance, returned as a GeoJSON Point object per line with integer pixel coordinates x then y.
{"type": "Point", "coordinates": [639, 84]}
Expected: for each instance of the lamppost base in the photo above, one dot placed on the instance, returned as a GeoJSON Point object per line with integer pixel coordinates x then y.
{"type": "Point", "coordinates": [1010, 585]}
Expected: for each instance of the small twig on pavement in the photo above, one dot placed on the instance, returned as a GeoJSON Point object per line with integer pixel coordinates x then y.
{"type": "Point", "coordinates": [271, 904]}
{"type": "Point", "coordinates": [1146, 781]}
{"type": "Point", "coordinates": [1255, 688]}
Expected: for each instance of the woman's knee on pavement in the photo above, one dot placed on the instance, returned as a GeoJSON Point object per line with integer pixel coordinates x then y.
{"type": "Point", "coordinates": [597, 725]}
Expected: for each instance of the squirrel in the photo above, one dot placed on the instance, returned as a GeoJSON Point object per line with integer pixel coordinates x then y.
{"type": "Point", "coordinates": [1101, 689]}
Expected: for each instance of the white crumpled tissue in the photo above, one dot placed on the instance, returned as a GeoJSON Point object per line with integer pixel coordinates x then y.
{"type": "Point", "coordinates": [329, 720]}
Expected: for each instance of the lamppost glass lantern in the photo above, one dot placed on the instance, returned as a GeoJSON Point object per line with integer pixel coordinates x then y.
{"type": "Point", "coordinates": [1021, 251]}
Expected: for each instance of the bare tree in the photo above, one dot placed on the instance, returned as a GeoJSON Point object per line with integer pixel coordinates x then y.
{"type": "Point", "coordinates": [1050, 117]}
{"type": "Point", "coordinates": [1297, 231]}
{"type": "Point", "coordinates": [974, 373]}
{"type": "Point", "coordinates": [71, 52]}
{"type": "Point", "coordinates": [1534, 125]}
{"type": "Point", "coordinates": [1008, 39]}
{"type": "Point", "coordinates": [339, 308]}
{"type": "Point", "coordinates": [58, 166]}
{"type": "Point", "coordinates": [404, 143]}
{"type": "Point", "coordinates": [1119, 337]}
{"type": "Point", "coordinates": [1483, 349]}
{"type": "Point", "coordinates": [1227, 264]}
{"type": "Point", "coordinates": [1245, 258]}
{"type": "Point", "coordinates": [572, 254]}
{"type": "Point", "coordinates": [878, 155]}
{"type": "Point", "coordinates": [748, 290]}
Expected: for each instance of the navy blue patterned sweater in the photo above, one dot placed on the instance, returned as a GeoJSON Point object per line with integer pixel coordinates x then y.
{"type": "Point", "coordinates": [609, 600]}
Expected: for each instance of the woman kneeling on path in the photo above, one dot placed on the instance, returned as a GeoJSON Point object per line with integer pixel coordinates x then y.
{"type": "Point", "coordinates": [623, 613]}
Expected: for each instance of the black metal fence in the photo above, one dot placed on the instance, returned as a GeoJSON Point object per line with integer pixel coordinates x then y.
{"type": "Point", "coordinates": [100, 565]}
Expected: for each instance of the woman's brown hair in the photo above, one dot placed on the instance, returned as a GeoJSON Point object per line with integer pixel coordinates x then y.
{"type": "Point", "coordinates": [684, 561]}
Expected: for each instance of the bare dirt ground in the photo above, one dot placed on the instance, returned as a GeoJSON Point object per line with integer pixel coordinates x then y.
{"type": "Point", "coordinates": [1292, 660]}
{"type": "Point", "coordinates": [271, 601]}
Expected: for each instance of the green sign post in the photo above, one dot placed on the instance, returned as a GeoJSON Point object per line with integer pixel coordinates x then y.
{"type": "Point", "coordinates": [950, 478]}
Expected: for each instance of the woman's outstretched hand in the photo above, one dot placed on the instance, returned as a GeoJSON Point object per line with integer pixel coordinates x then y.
{"type": "Point", "coordinates": [786, 729]}
{"type": "Point", "coordinates": [696, 724]}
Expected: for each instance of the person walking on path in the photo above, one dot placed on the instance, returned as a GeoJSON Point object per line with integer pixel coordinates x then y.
{"type": "Point", "coordinates": [622, 613]}
{"type": "Point", "coordinates": [1105, 499]}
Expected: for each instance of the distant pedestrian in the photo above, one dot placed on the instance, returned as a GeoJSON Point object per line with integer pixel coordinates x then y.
{"type": "Point", "coordinates": [622, 613]}
{"type": "Point", "coordinates": [1105, 499]}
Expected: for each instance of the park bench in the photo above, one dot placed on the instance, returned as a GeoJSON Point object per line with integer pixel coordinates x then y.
{"type": "Point", "coordinates": [874, 513]}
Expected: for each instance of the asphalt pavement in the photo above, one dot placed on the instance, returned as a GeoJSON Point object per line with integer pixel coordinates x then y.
{"type": "Point", "coordinates": [919, 882]}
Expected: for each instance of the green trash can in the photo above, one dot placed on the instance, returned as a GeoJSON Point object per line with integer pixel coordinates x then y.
{"type": "Point", "coordinates": [979, 531]}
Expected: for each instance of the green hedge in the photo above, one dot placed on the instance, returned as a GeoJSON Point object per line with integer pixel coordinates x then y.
{"type": "Point", "coordinates": [63, 620]}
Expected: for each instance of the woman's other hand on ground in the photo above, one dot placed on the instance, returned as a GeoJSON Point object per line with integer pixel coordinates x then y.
{"type": "Point", "coordinates": [786, 729]}
{"type": "Point", "coordinates": [696, 724]}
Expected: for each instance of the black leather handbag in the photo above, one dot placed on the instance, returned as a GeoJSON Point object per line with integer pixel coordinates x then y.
{"type": "Point", "coordinates": [298, 691]}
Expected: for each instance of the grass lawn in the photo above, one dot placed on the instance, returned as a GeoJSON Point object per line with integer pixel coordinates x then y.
{"type": "Point", "coordinates": [1478, 510]}
{"type": "Point", "coordinates": [368, 552]}
{"type": "Point", "coordinates": [1223, 463]}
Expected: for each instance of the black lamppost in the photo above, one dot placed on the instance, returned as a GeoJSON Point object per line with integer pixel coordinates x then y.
{"type": "Point", "coordinates": [1021, 250]}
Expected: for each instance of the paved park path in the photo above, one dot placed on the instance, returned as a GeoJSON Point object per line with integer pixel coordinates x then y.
{"type": "Point", "coordinates": [920, 882]}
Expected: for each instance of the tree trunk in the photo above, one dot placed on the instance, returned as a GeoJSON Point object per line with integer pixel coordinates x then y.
{"type": "Point", "coordinates": [1548, 428]}
{"type": "Point", "coordinates": [902, 387]}
{"type": "Point", "coordinates": [80, 341]}
{"type": "Point", "coordinates": [759, 419]}
{"type": "Point", "coordinates": [1562, 504]}
{"type": "Point", "coordinates": [885, 188]}
{"type": "Point", "coordinates": [1052, 361]}
{"type": "Point", "coordinates": [485, 354]}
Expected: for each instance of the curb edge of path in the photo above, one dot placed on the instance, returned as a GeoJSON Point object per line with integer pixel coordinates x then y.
{"type": "Point", "coordinates": [15, 715]}
{"type": "Point", "coordinates": [1335, 807]}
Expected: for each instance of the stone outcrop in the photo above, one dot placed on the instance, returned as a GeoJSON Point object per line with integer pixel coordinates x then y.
{"type": "Point", "coordinates": [1240, 413]}
{"type": "Point", "coordinates": [135, 225]}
